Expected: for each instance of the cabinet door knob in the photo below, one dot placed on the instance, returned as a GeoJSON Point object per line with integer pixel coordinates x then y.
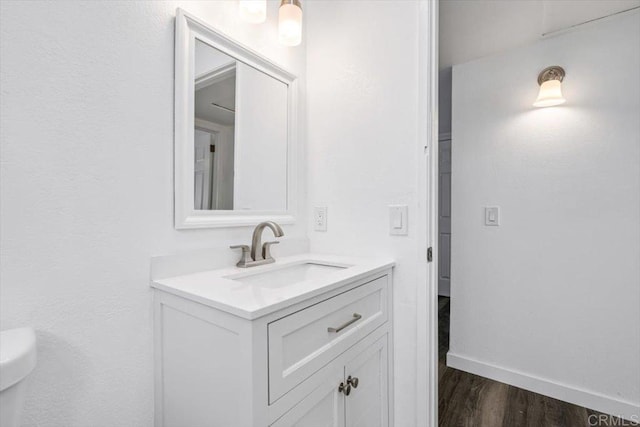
{"type": "Point", "coordinates": [345, 389]}
{"type": "Point", "coordinates": [353, 381]}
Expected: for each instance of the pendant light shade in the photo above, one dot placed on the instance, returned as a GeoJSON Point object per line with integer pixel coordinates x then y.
{"type": "Point", "coordinates": [290, 23]}
{"type": "Point", "coordinates": [253, 11]}
{"type": "Point", "coordinates": [550, 81]}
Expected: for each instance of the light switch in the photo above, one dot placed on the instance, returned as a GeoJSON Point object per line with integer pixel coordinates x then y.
{"type": "Point", "coordinates": [492, 215]}
{"type": "Point", "coordinates": [398, 220]}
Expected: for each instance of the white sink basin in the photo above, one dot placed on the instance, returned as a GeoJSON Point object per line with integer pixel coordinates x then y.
{"type": "Point", "coordinates": [286, 275]}
{"type": "Point", "coordinates": [257, 291]}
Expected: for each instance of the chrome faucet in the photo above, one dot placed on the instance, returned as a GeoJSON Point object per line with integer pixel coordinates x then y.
{"type": "Point", "coordinates": [259, 253]}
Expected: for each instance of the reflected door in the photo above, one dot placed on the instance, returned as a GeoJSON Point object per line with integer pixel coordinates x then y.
{"type": "Point", "coordinates": [204, 190]}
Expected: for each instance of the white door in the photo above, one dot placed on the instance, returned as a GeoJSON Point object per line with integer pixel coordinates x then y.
{"type": "Point", "coordinates": [444, 218]}
{"type": "Point", "coordinates": [367, 403]}
{"type": "Point", "coordinates": [203, 168]}
{"type": "Point", "coordinates": [324, 407]}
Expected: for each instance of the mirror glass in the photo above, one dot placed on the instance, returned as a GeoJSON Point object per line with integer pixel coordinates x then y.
{"type": "Point", "coordinates": [240, 136]}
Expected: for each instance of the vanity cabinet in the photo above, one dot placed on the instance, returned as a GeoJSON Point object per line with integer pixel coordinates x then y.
{"type": "Point", "coordinates": [324, 360]}
{"type": "Point", "coordinates": [365, 405]}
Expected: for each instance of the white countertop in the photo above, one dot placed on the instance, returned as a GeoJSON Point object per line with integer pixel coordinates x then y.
{"type": "Point", "coordinates": [215, 289]}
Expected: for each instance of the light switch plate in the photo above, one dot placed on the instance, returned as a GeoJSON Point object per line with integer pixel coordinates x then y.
{"type": "Point", "coordinates": [320, 218]}
{"type": "Point", "coordinates": [398, 220]}
{"type": "Point", "coordinates": [492, 216]}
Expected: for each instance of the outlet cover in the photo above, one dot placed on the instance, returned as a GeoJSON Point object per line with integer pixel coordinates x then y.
{"type": "Point", "coordinates": [320, 218]}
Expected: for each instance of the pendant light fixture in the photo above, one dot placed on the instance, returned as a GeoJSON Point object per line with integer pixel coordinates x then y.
{"type": "Point", "coordinates": [253, 11]}
{"type": "Point", "coordinates": [290, 22]}
{"type": "Point", "coordinates": [550, 81]}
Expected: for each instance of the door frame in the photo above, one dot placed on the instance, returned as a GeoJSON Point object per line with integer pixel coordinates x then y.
{"type": "Point", "coordinates": [427, 221]}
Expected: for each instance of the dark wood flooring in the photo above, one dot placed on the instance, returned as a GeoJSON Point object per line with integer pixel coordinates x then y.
{"type": "Point", "coordinates": [467, 400]}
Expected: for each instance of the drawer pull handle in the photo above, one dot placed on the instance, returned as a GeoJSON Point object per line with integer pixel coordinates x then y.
{"type": "Point", "coordinates": [356, 317]}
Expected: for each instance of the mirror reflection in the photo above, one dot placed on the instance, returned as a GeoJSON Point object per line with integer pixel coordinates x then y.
{"type": "Point", "coordinates": [240, 135]}
{"type": "Point", "coordinates": [215, 111]}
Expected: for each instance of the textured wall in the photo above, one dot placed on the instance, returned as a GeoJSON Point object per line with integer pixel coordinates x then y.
{"type": "Point", "coordinates": [554, 292]}
{"type": "Point", "coordinates": [363, 131]}
{"type": "Point", "coordinates": [86, 132]}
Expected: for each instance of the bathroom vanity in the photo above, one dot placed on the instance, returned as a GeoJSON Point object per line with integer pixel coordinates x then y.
{"type": "Point", "coordinates": [305, 341]}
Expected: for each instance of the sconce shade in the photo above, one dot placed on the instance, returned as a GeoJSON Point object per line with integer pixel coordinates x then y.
{"type": "Point", "coordinates": [290, 23]}
{"type": "Point", "coordinates": [550, 94]}
{"type": "Point", "coordinates": [253, 11]}
{"type": "Point", "coordinates": [550, 81]}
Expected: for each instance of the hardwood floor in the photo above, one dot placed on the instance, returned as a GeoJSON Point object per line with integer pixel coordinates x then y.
{"type": "Point", "coordinates": [467, 400]}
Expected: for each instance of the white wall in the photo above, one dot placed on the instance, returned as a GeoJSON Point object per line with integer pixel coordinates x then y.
{"type": "Point", "coordinates": [86, 131]}
{"type": "Point", "coordinates": [552, 294]}
{"type": "Point", "coordinates": [362, 72]}
{"type": "Point", "coordinates": [261, 141]}
{"type": "Point", "coordinates": [474, 29]}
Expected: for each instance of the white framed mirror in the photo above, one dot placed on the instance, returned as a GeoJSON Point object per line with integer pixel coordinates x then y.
{"type": "Point", "coordinates": [235, 132]}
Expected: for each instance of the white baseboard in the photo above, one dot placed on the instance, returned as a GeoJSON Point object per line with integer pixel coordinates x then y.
{"type": "Point", "coordinates": [588, 399]}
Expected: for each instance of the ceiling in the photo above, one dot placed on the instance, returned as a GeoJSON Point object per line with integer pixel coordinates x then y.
{"type": "Point", "coordinates": [214, 102]}
{"type": "Point", "coordinates": [471, 29]}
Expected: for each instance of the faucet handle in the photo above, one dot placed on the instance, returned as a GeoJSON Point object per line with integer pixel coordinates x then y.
{"type": "Point", "coordinates": [266, 249]}
{"type": "Point", "coordinates": [246, 254]}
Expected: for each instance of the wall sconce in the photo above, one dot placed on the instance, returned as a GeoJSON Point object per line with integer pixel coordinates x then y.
{"type": "Point", "coordinates": [253, 11]}
{"type": "Point", "coordinates": [290, 22]}
{"type": "Point", "coordinates": [550, 81]}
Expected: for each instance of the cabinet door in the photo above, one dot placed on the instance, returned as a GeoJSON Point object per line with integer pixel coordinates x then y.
{"type": "Point", "coordinates": [324, 407]}
{"type": "Point", "coordinates": [367, 404]}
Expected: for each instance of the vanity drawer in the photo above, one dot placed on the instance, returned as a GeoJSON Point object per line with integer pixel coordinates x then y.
{"type": "Point", "coordinates": [303, 342]}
